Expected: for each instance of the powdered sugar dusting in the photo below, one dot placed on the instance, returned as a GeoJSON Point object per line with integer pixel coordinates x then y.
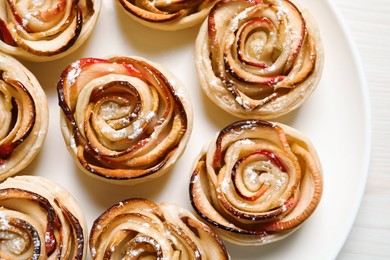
{"type": "Point", "coordinates": [110, 110]}
{"type": "Point", "coordinates": [240, 17]}
{"type": "Point", "coordinates": [251, 175]}
{"type": "Point", "coordinates": [225, 185]}
{"type": "Point", "coordinates": [137, 130]}
{"type": "Point", "coordinates": [74, 72]}
{"type": "Point", "coordinates": [4, 223]}
{"type": "Point", "coordinates": [24, 22]}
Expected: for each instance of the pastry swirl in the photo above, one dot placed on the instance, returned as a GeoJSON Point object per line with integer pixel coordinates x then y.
{"type": "Point", "coordinates": [45, 30]}
{"type": "Point", "coordinates": [124, 119]}
{"type": "Point", "coordinates": [40, 220]}
{"type": "Point", "coordinates": [257, 182]}
{"type": "Point", "coordinates": [23, 114]}
{"type": "Point", "coordinates": [258, 59]}
{"type": "Point", "coordinates": [137, 228]}
{"type": "Point", "coordinates": [168, 15]}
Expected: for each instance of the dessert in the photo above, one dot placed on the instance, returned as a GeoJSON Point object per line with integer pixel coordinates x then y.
{"type": "Point", "coordinates": [168, 15]}
{"type": "Point", "coordinates": [124, 119]}
{"type": "Point", "coordinates": [258, 59]}
{"type": "Point", "coordinates": [24, 115]}
{"type": "Point", "coordinates": [45, 30]}
{"type": "Point", "coordinates": [139, 228]}
{"type": "Point", "coordinates": [40, 220]}
{"type": "Point", "coordinates": [256, 182]}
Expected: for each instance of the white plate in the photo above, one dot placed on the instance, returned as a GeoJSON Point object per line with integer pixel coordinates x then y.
{"type": "Point", "coordinates": [335, 118]}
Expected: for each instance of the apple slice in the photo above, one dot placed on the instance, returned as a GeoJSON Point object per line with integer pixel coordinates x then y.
{"type": "Point", "coordinates": [5, 35]}
{"type": "Point", "coordinates": [54, 46]}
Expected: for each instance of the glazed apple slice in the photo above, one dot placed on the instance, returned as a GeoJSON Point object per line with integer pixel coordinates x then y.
{"type": "Point", "coordinates": [57, 45]}
{"type": "Point", "coordinates": [5, 35]}
{"type": "Point", "coordinates": [124, 119]}
{"type": "Point", "coordinates": [255, 59]}
{"type": "Point", "coordinates": [143, 229]}
{"type": "Point", "coordinates": [167, 15]}
{"type": "Point", "coordinates": [256, 182]}
{"type": "Point", "coordinates": [23, 116]}
{"type": "Point", "coordinates": [46, 30]}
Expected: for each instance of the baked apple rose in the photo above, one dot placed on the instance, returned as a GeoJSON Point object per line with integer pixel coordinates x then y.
{"type": "Point", "coordinates": [256, 182]}
{"type": "Point", "coordinates": [24, 116]}
{"type": "Point", "coordinates": [168, 15]}
{"type": "Point", "coordinates": [258, 58]}
{"type": "Point", "coordinates": [40, 220]}
{"type": "Point", "coordinates": [124, 119]}
{"type": "Point", "coordinates": [142, 229]}
{"type": "Point", "coordinates": [42, 30]}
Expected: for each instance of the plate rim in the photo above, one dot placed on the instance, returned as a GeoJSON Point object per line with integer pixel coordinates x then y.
{"type": "Point", "coordinates": [367, 122]}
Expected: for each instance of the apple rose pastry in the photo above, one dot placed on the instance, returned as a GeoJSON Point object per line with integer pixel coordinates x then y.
{"type": "Point", "coordinates": [258, 59]}
{"type": "Point", "coordinates": [256, 182]}
{"type": "Point", "coordinates": [168, 15]}
{"type": "Point", "coordinates": [124, 119]}
{"type": "Point", "coordinates": [142, 229]}
{"type": "Point", "coordinates": [45, 30]}
{"type": "Point", "coordinates": [24, 116]}
{"type": "Point", "coordinates": [40, 220]}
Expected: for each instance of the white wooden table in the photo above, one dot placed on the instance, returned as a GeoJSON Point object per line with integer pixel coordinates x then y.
{"type": "Point", "coordinates": [369, 23]}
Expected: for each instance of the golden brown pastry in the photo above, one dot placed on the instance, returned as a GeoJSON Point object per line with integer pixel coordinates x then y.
{"type": "Point", "coordinates": [45, 30]}
{"type": "Point", "coordinates": [168, 15]}
{"type": "Point", "coordinates": [141, 229]}
{"type": "Point", "coordinates": [24, 116]}
{"type": "Point", "coordinates": [258, 59]}
{"type": "Point", "coordinates": [40, 220]}
{"type": "Point", "coordinates": [124, 119]}
{"type": "Point", "coordinates": [256, 182]}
